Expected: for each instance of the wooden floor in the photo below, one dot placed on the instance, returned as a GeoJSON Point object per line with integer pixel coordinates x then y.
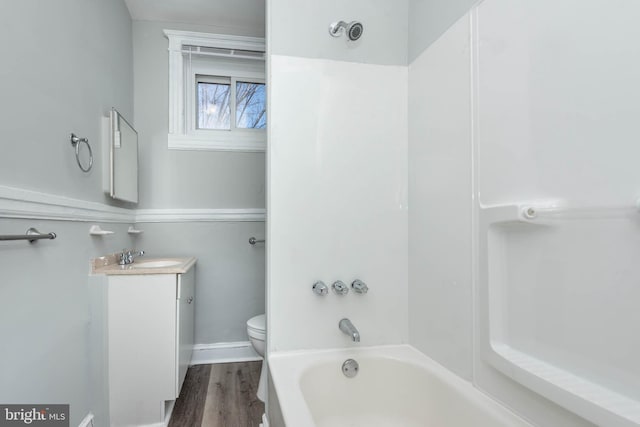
{"type": "Point", "coordinates": [220, 395]}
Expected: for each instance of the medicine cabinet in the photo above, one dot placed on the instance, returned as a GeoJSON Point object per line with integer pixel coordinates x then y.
{"type": "Point", "coordinates": [120, 154]}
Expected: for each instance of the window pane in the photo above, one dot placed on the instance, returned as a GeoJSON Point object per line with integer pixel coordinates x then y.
{"type": "Point", "coordinates": [250, 105]}
{"type": "Point", "coordinates": [213, 106]}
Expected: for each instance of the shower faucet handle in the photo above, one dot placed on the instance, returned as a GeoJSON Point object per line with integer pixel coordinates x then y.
{"type": "Point", "coordinates": [359, 287]}
{"type": "Point", "coordinates": [320, 288]}
{"type": "Point", "coordinates": [340, 288]}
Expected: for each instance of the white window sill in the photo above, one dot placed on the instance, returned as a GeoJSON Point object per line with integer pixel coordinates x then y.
{"type": "Point", "coordinates": [202, 143]}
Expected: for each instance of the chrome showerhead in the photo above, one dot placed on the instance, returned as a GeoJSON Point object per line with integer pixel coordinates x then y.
{"type": "Point", "coordinates": [352, 29]}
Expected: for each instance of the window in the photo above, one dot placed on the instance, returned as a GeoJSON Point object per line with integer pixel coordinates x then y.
{"type": "Point", "coordinates": [213, 102]}
{"type": "Point", "coordinates": [221, 101]}
{"type": "Point", "coordinates": [251, 106]}
{"type": "Point", "coordinates": [217, 92]}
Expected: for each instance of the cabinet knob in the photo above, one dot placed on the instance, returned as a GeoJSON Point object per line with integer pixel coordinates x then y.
{"type": "Point", "coordinates": [190, 300]}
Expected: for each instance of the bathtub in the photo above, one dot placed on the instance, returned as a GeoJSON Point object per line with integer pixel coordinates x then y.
{"type": "Point", "coordinates": [395, 386]}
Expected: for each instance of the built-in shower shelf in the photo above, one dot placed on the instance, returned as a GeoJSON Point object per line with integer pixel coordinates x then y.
{"type": "Point", "coordinates": [599, 402]}
{"type": "Point", "coordinates": [546, 254]}
{"type": "Point", "coordinates": [540, 212]}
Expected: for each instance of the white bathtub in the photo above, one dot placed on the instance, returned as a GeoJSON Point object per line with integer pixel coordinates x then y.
{"type": "Point", "coordinates": [395, 386]}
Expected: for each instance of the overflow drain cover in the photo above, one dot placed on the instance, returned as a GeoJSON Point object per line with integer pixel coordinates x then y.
{"type": "Point", "coordinates": [350, 368]}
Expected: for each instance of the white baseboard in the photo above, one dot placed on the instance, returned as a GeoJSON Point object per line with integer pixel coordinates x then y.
{"type": "Point", "coordinates": [87, 421]}
{"type": "Point", "coordinates": [224, 352]}
{"type": "Point", "coordinates": [168, 410]}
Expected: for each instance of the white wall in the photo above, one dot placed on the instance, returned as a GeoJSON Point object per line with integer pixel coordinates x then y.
{"type": "Point", "coordinates": [556, 113]}
{"type": "Point", "coordinates": [230, 275]}
{"type": "Point", "coordinates": [65, 64]}
{"type": "Point", "coordinates": [337, 175]}
{"type": "Point", "coordinates": [337, 201]}
{"type": "Point", "coordinates": [552, 120]}
{"type": "Point", "coordinates": [440, 195]}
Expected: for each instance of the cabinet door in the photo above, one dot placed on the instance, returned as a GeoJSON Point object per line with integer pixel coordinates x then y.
{"type": "Point", "coordinates": [185, 304]}
{"type": "Point", "coordinates": [141, 346]}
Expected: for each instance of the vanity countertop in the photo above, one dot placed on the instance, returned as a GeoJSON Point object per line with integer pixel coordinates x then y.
{"type": "Point", "coordinates": [108, 265]}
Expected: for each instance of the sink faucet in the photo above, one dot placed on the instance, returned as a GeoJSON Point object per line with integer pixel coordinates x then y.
{"type": "Point", "coordinates": [126, 257]}
{"type": "Point", "coordinates": [347, 327]}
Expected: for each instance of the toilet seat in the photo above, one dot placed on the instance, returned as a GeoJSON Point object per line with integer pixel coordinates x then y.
{"type": "Point", "coordinates": [256, 327]}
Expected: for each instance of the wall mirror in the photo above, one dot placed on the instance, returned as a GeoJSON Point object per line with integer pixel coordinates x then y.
{"type": "Point", "coordinates": [121, 158]}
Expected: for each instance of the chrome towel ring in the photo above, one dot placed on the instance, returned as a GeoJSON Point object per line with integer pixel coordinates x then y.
{"type": "Point", "coordinates": [76, 141]}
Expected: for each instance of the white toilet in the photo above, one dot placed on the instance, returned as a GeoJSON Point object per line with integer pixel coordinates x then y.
{"type": "Point", "coordinates": [256, 329]}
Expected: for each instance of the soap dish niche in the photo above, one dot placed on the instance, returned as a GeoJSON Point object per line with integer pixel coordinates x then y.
{"type": "Point", "coordinates": [96, 230]}
{"type": "Point", "coordinates": [133, 230]}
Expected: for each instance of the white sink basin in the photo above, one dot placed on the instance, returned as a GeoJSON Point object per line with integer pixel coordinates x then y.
{"type": "Point", "coordinates": [162, 263]}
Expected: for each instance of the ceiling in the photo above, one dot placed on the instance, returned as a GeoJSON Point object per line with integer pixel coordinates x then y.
{"type": "Point", "coordinates": [246, 15]}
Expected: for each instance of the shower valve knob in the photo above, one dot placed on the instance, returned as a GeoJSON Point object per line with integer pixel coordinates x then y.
{"type": "Point", "coordinates": [359, 287]}
{"type": "Point", "coordinates": [320, 288]}
{"type": "Point", "coordinates": [340, 288]}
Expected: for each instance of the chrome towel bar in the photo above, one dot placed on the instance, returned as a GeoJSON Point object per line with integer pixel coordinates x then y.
{"type": "Point", "coordinates": [31, 235]}
{"type": "Point", "coordinates": [253, 240]}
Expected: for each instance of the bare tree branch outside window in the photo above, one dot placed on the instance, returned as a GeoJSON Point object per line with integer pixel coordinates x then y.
{"type": "Point", "coordinates": [250, 105]}
{"type": "Point", "coordinates": [214, 109]}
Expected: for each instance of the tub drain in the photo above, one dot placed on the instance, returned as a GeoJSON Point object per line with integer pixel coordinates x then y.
{"type": "Point", "coordinates": [350, 368]}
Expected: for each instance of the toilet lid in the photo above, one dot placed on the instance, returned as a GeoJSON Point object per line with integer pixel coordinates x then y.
{"type": "Point", "coordinates": [257, 323]}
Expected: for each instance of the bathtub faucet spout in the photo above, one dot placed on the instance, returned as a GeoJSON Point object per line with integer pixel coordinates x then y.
{"type": "Point", "coordinates": [347, 327]}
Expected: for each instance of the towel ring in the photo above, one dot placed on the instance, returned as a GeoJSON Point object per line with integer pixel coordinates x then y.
{"type": "Point", "coordinates": [75, 141]}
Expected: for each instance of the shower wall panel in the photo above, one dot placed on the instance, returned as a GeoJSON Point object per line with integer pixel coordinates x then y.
{"type": "Point", "coordinates": [337, 201]}
{"type": "Point", "coordinates": [556, 111]}
{"type": "Point", "coordinates": [337, 172]}
{"type": "Point", "coordinates": [523, 207]}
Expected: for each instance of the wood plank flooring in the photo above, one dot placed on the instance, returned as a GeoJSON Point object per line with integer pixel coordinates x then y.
{"type": "Point", "coordinates": [220, 395]}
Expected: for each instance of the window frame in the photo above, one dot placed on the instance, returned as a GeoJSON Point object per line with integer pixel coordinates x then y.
{"type": "Point", "coordinates": [183, 131]}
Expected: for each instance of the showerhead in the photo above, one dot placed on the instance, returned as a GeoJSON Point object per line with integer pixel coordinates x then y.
{"type": "Point", "coordinates": [352, 29]}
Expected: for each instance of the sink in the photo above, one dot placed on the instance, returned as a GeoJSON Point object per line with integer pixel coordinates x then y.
{"type": "Point", "coordinates": [161, 263]}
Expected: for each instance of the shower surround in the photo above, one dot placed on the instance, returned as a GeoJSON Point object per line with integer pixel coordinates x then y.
{"type": "Point", "coordinates": [499, 245]}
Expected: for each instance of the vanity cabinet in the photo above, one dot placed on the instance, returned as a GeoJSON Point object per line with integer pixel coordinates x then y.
{"type": "Point", "coordinates": [149, 336]}
{"type": "Point", "coordinates": [185, 318]}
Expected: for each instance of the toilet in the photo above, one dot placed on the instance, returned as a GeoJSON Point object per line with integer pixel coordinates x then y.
{"type": "Point", "coordinates": [256, 329]}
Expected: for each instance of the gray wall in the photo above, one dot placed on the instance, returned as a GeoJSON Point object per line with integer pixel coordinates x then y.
{"type": "Point", "coordinates": [183, 179]}
{"type": "Point", "coordinates": [300, 28]}
{"type": "Point", "coordinates": [44, 314]}
{"type": "Point", "coordinates": [65, 64]}
{"type": "Point", "coordinates": [429, 19]}
{"type": "Point", "coordinates": [230, 275]}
